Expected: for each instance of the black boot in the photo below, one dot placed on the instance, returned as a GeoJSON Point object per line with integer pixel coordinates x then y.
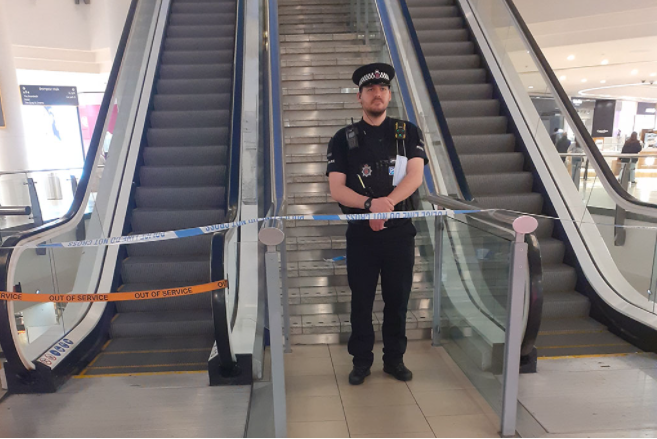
{"type": "Point", "coordinates": [358, 374]}
{"type": "Point", "coordinates": [398, 371]}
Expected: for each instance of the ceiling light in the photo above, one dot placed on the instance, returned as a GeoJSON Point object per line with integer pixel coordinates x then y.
{"type": "Point", "coordinates": [531, 86]}
{"type": "Point", "coordinates": [562, 78]}
{"type": "Point", "coordinates": [653, 74]}
{"type": "Point", "coordinates": [584, 80]}
{"type": "Point", "coordinates": [603, 81]}
{"type": "Point", "coordinates": [634, 72]}
{"type": "Point", "coordinates": [604, 62]}
{"type": "Point", "coordinates": [570, 57]}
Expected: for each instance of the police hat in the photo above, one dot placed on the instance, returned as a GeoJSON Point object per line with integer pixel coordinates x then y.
{"type": "Point", "coordinates": [377, 73]}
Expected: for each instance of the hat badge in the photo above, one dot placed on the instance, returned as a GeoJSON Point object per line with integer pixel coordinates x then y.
{"type": "Point", "coordinates": [377, 74]}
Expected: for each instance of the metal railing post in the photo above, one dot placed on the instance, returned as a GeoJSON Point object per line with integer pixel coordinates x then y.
{"type": "Point", "coordinates": [357, 15]}
{"type": "Point", "coordinates": [437, 279]}
{"type": "Point", "coordinates": [514, 323]}
{"type": "Point", "coordinates": [285, 298]}
{"type": "Point", "coordinates": [276, 341]}
{"type": "Point", "coordinates": [367, 24]}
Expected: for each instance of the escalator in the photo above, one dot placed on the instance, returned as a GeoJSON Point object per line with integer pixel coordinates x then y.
{"type": "Point", "coordinates": [170, 125]}
{"type": "Point", "coordinates": [501, 173]}
{"type": "Point", "coordinates": [181, 183]}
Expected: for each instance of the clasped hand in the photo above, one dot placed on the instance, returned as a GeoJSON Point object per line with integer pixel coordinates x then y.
{"type": "Point", "coordinates": [380, 205]}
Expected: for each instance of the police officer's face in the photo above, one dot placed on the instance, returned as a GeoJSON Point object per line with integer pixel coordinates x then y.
{"type": "Point", "coordinates": [375, 98]}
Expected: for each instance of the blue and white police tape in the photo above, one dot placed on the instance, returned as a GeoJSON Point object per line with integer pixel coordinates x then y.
{"type": "Point", "coordinates": [197, 231]}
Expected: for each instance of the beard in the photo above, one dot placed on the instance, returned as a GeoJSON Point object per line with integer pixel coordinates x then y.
{"type": "Point", "coordinates": [375, 113]}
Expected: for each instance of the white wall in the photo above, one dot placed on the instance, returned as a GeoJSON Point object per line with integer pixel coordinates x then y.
{"type": "Point", "coordinates": [83, 38]}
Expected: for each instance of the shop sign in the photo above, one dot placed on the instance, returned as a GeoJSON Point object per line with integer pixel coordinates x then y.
{"type": "Point", "coordinates": [603, 118]}
{"type": "Point", "coordinates": [646, 108]}
{"type": "Point", "coordinates": [49, 95]}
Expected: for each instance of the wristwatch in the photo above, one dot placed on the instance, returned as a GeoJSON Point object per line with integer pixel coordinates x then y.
{"type": "Point", "coordinates": [368, 203]}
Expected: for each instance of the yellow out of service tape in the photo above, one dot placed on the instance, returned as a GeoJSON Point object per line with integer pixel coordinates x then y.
{"type": "Point", "coordinates": [115, 297]}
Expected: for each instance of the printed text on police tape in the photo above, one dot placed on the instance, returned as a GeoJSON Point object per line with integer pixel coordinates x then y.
{"type": "Point", "coordinates": [115, 297]}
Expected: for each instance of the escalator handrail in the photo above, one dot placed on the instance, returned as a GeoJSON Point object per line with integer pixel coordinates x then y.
{"type": "Point", "coordinates": [6, 337]}
{"type": "Point", "coordinates": [437, 107]}
{"type": "Point", "coordinates": [502, 221]}
{"type": "Point", "coordinates": [276, 115]}
{"type": "Point", "coordinates": [620, 195]}
{"type": "Point", "coordinates": [222, 322]}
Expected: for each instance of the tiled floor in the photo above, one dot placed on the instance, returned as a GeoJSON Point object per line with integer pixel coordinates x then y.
{"type": "Point", "coordinates": [438, 402]}
{"type": "Point", "coordinates": [593, 397]}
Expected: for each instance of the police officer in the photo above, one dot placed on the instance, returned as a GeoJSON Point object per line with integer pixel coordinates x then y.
{"type": "Point", "coordinates": [376, 165]}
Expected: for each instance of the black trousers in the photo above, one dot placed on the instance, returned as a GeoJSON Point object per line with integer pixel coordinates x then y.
{"type": "Point", "coordinates": [391, 254]}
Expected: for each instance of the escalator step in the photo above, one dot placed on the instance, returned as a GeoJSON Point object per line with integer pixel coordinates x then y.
{"type": "Point", "coordinates": [558, 277]}
{"type": "Point", "coordinates": [524, 202]}
{"type": "Point", "coordinates": [591, 343]}
{"type": "Point", "coordinates": [552, 251]}
{"type": "Point", "coordinates": [201, 44]}
{"type": "Point", "coordinates": [193, 86]}
{"type": "Point", "coordinates": [477, 125]}
{"type": "Point", "coordinates": [200, 19]}
{"type": "Point", "coordinates": [488, 144]}
{"type": "Point", "coordinates": [190, 119]}
{"type": "Point", "coordinates": [508, 183]}
{"type": "Point", "coordinates": [465, 92]}
{"type": "Point", "coordinates": [180, 197]}
{"type": "Point", "coordinates": [492, 163]}
{"type": "Point", "coordinates": [204, 31]}
{"type": "Point", "coordinates": [185, 155]}
{"type": "Point", "coordinates": [570, 326]}
{"type": "Point", "coordinates": [217, 101]}
{"type": "Point", "coordinates": [455, 62]}
{"type": "Point", "coordinates": [202, 8]}
{"type": "Point", "coordinates": [486, 107]}
{"type": "Point", "coordinates": [196, 71]}
{"type": "Point", "coordinates": [182, 176]}
{"type": "Point", "coordinates": [191, 269]}
{"type": "Point", "coordinates": [194, 245]}
{"type": "Point", "coordinates": [441, 35]}
{"type": "Point", "coordinates": [438, 23]}
{"type": "Point", "coordinates": [467, 76]}
{"type": "Point", "coordinates": [187, 136]}
{"type": "Point", "coordinates": [412, 4]}
{"type": "Point", "coordinates": [196, 57]}
{"type": "Point", "coordinates": [163, 324]}
{"type": "Point", "coordinates": [196, 301]}
{"type": "Point", "coordinates": [448, 48]}
{"type": "Point", "coordinates": [161, 220]}
{"type": "Point", "coordinates": [434, 11]}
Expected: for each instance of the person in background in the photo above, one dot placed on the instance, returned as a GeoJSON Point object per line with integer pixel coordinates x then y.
{"type": "Point", "coordinates": [555, 135]}
{"type": "Point", "coordinates": [562, 146]}
{"type": "Point", "coordinates": [576, 162]}
{"type": "Point", "coordinates": [632, 146]}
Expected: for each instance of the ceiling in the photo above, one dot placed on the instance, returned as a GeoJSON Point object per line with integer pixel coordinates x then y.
{"type": "Point", "coordinates": [598, 48]}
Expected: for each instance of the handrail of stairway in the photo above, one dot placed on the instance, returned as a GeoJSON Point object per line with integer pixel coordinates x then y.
{"type": "Point", "coordinates": [15, 210]}
{"type": "Point", "coordinates": [6, 340]}
{"type": "Point", "coordinates": [272, 231]}
{"type": "Point", "coordinates": [502, 221]}
{"type": "Point", "coordinates": [609, 181]}
{"type": "Point", "coordinates": [223, 323]}
{"type": "Point", "coordinates": [437, 107]}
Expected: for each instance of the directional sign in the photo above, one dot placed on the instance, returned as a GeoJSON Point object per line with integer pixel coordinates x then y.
{"type": "Point", "coordinates": [49, 95]}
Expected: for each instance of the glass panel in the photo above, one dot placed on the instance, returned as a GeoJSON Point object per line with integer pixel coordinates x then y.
{"type": "Point", "coordinates": [474, 292]}
{"type": "Point", "coordinates": [542, 111]}
{"type": "Point", "coordinates": [14, 191]}
{"type": "Point", "coordinates": [77, 270]}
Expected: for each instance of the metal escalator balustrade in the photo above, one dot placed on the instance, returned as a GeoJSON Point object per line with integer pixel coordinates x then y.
{"type": "Point", "coordinates": [498, 171]}
{"type": "Point", "coordinates": [321, 46]}
{"type": "Point", "coordinates": [181, 183]}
